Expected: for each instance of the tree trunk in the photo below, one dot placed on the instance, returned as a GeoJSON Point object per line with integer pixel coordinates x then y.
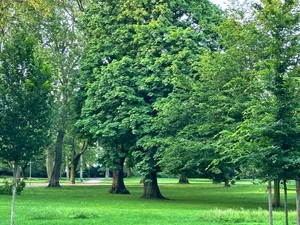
{"type": "Point", "coordinates": [16, 176]}
{"type": "Point", "coordinates": [55, 176]}
{"type": "Point", "coordinates": [49, 163]}
{"type": "Point", "coordinates": [67, 172]}
{"type": "Point", "coordinates": [106, 173]}
{"type": "Point", "coordinates": [226, 183]}
{"type": "Point", "coordinates": [285, 203]}
{"type": "Point", "coordinates": [72, 173]}
{"type": "Point", "coordinates": [118, 186]}
{"type": "Point", "coordinates": [129, 172]}
{"type": "Point", "coordinates": [298, 201]}
{"type": "Point", "coordinates": [276, 200]}
{"type": "Point", "coordinates": [151, 189]}
{"type": "Point", "coordinates": [75, 160]}
{"type": "Point", "coordinates": [183, 179]}
{"type": "Point", "coordinates": [269, 188]}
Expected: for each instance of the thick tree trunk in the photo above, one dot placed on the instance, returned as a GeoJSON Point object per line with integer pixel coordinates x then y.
{"type": "Point", "coordinates": [276, 199]}
{"type": "Point", "coordinates": [118, 186]}
{"type": "Point", "coordinates": [151, 189]}
{"type": "Point", "coordinates": [183, 179]}
{"type": "Point", "coordinates": [55, 176]}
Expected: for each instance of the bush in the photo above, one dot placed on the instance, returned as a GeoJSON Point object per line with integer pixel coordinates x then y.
{"type": "Point", "coordinates": [7, 188]}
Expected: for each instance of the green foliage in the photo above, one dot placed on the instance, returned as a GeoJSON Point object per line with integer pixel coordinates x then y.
{"type": "Point", "coordinates": [6, 188]}
{"type": "Point", "coordinates": [268, 137]}
{"type": "Point", "coordinates": [135, 53]}
{"type": "Point", "coordinates": [25, 99]}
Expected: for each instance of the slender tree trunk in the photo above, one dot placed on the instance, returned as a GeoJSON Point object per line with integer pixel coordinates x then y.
{"type": "Point", "coordinates": [270, 202]}
{"type": "Point", "coordinates": [129, 172]}
{"type": "Point", "coordinates": [298, 201]}
{"type": "Point", "coordinates": [118, 186]}
{"type": "Point", "coordinates": [276, 200]}
{"type": "Point", "coordinates": [75, 160]}
{"type": "Point", "coordinates": [49, 163]}
{"type": "Point", "coordinates": [67, 172]}
{"type": "Point", "coordinates": [183, 179]}
{"type": "Point", "coordinates": [72, 173]}
{"type": "Point", "coordinates": [151, 189]}
{"type": "Point", "coordinates": [106, 173]}
{"type": "Point", "coordinates": [16, 174]}
{"type": "Point", "coordinates": [55, 176]}
{"type": "Point", "coordinates": [285, 203]}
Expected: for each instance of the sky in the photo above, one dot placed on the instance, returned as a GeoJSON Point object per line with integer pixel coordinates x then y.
{"type": "Point", "coordinates": [219, 2]}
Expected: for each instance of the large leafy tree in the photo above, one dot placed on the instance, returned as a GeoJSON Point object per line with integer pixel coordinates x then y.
{"type": "Point", "coordinates": [130, 58]}
{"type": "Point", "coordinates": [25, 99]}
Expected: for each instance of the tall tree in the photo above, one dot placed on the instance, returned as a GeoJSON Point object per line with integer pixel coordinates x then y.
{"type": "Point", "coordinates": [25, 101]}
{"type": "Point", "coordinates": [59, 32]}
{"type": "Point", "coordinates": [128, 65]}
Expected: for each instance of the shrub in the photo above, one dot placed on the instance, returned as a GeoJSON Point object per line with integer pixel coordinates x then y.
{"type": "Point", "coordinates": [6, 189]}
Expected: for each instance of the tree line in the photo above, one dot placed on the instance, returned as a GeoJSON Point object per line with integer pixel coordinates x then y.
{"type": "Point", "coordinates": [176, 86]}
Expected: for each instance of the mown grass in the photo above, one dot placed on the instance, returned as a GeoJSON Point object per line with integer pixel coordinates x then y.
{"type": "Point", "coordinates": [197, 203]}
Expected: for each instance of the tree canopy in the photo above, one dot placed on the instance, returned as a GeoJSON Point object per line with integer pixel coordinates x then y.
{"type": "Point", "coordinates": [25, 99]}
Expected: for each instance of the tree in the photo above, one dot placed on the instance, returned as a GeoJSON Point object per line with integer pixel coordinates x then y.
{"type": "Point", "coordinates": [25, 101]}
{"type": "Point", "coordinates": [129, 58]}
{"type": "Point", "coordinates": [62, 38]}
{"type": "Point", "coordinates": [268, 38]}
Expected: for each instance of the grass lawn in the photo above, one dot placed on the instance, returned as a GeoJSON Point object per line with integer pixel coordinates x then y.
{"type": "Point", "coordinates": [197, 203]}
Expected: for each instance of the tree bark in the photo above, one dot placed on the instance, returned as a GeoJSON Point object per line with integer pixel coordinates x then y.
{"type": "Point", "coordinates": [129, 173]}
{"type": "Point", "coordinates": [298, 201]}
{"type": "Point", "coordinates": [49, 163]}
{"type": "Point", "coordinates": [106, 173]}
{"type": "Point", "coordinates": [270, 202]}
{"type": "Point", "coordinates": [16, 174]}
{"type": "Point", "coordinates": [276, 200]}
{"type": "Point", "coordinates": [151, 189]}
{"type": "Point", "coordinates": [285, 203]}
{"type": "Point", "coordinates": [75, 160]}
{"type": "Point", "coordinates": [183, 179]}
{"type": "Point", "coordinates": [55, 176]}
{"type": "Point", "coordinates": [118, 186]}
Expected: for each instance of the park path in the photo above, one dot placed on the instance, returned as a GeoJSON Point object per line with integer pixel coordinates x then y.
{"type": "Point", "coordinates": [90, 181]}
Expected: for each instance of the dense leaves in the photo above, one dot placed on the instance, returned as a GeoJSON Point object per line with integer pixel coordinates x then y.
{"type": "Point", "coordinates": [25, 99]}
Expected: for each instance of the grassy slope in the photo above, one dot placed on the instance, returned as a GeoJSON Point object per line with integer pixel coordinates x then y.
{"type": "Point", "coordinates": [198, 203]}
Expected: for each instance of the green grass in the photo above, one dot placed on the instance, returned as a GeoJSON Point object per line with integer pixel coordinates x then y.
{"type": "Point", "coordinates": [197, 203]}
